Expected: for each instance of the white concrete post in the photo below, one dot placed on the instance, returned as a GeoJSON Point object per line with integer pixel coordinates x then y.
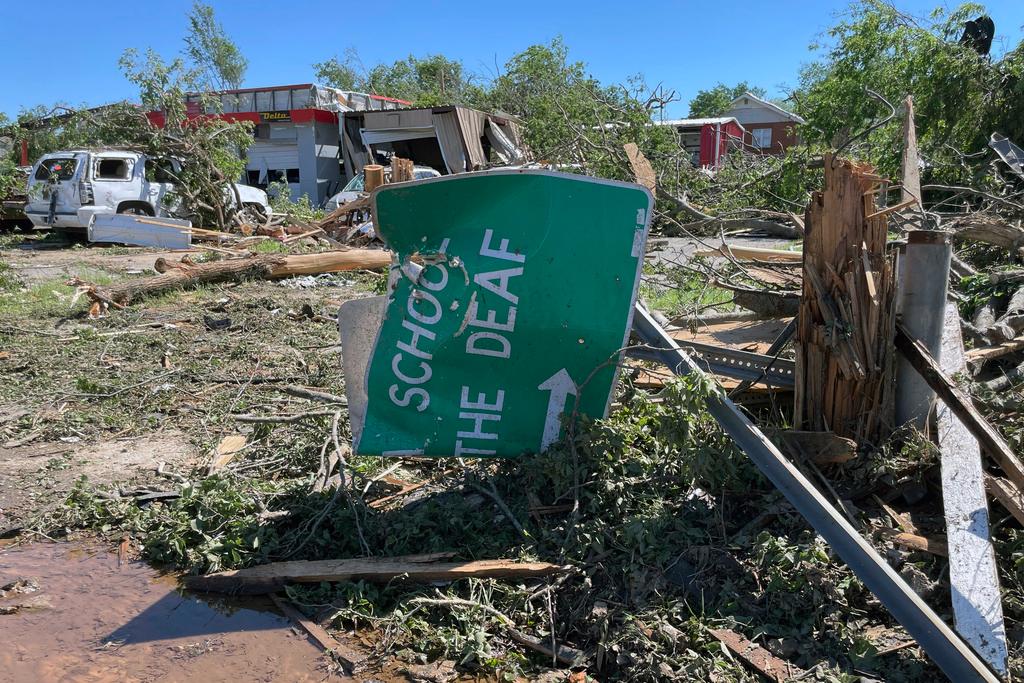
{"type": "Point", "coordinates": [921, 305]}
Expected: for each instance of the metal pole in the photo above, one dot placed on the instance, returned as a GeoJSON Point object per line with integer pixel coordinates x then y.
{"type": "Point", "coordinates": [921, 305]}
{"type": "Point", "coordinates": [946, 649]}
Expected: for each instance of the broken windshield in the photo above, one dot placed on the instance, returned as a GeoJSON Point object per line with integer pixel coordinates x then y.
{"type": "Point", "coordinates": [58, 168]}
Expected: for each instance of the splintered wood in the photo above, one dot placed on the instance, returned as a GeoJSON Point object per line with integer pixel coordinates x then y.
{"type": "Point", "coordinates": [844, 362]}
{"type": "Point", "coordinates": [401, 170]}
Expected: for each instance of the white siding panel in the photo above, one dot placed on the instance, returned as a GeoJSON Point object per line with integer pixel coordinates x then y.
{"type": "Point", "coordinates": [752, 115]}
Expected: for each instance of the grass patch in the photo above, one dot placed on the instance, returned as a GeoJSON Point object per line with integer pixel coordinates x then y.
{"type": "Point", "coordinates": [270, 247]}
{"type": "Point", "coordinates": [676, 291]}
{"type": "Point", "coordinates": [50, 298]}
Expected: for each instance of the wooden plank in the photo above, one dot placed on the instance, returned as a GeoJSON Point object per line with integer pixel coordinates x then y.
{"type": "Point", "coordinates": [1007, 494]}
{"type": "Point", "coordinates": [892, 209]}
{"type": "Point", "coordinates": [906, 539]}
{"type": "Point", "coordinates": [973, 575]}
{"type": "Point", "coordinates": [348, 657]}
{"type": "Point", "coordinates": [753, 253]}
{"type": "Point", "coordinates": [910, 163]}
{"type": "Point", "coordinates": [763, 661]}
{"type": "Point", "coordinates": [961, 405]}
{"type": "Point", "coordinates": [269, 578]}
{"type": "Point", "coordinates": [987, 353]}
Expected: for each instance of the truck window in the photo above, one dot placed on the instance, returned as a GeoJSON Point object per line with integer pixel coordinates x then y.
{"type": "Point", "coordinates": [160, 171]}
{"type": "Point", "coordinates": [113, 169]}
{"type": "Point", "coordinates": [60, 168]}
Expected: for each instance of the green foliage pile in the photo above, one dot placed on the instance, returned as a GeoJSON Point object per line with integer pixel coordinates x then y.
{"type": "Point", "coordinates": [668, 529]}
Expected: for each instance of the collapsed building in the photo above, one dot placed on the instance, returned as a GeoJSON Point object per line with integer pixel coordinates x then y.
{"type": "Point", "coordinates": [316, 138]}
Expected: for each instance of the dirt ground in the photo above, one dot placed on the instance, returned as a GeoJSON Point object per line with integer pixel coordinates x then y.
{"type": "Point", "coordinates": [69, 404]}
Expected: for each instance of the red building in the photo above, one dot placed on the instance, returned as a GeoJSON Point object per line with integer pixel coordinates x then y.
{"type": "Point", "coordinates": [707, 140]}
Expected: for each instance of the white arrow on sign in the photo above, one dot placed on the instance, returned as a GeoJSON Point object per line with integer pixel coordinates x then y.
{"type": "Point", "coordinates": [561, 386]}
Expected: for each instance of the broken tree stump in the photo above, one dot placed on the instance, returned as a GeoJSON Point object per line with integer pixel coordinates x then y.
{"type": "Point", "coordinates": [844, 359]}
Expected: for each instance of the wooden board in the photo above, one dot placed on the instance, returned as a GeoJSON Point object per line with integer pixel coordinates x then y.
{"type": "Point", "coordinates": [269, 578]}
{"type": "Point", "coordinates": [763, 661]}
{"type": "Point", "coordinates": [961, 406]}
{"type": "Point", "coordinates": [746, 335]}
{"type": "Point", "coordinates": [753, 253]}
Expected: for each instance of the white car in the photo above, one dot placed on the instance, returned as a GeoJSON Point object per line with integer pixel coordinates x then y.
{"type": "Point", "coordinates": [66, 188]}
{"type": "Point", "coordinates": [355, 186]}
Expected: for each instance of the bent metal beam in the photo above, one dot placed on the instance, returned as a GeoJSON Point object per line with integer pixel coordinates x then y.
{"type": "Point", "coordinates": [945, 648]}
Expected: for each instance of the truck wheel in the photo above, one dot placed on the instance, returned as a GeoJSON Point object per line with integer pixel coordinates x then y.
{"type": "Point", "coordinates": [135, 208]}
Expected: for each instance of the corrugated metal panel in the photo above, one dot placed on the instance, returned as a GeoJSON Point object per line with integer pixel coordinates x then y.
{"type": "Point", "coordinates": [274, 155]}
{"type": "Point", "coordinates": [402, 118]}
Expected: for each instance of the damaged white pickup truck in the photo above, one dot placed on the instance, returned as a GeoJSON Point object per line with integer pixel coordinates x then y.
{"type": "Point", "coordinates": [66, 188]}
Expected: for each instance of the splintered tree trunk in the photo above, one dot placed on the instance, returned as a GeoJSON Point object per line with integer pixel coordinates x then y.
{"type": "Point", "coordinates": [845, 364]}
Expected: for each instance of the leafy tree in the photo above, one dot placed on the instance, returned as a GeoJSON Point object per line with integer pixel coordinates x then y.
{"type": "Point", "coordinates": [210, 148]}
{"type": "Point", "coordinates": [960, 97]}
{"type": "Point", "coordinates": [425, 81]}
{"type": "Point", "coordinates": [343, 74]}
{"type": "Point", "coordinates": [212, 51]}
{"type": "Point", "coordinates": [715, 101]}
{"type": "Point", "coordinates": [571, 118]}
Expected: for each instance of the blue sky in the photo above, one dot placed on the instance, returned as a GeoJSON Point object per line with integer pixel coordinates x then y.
{"type": "Point", "coordinates": [68, 50]}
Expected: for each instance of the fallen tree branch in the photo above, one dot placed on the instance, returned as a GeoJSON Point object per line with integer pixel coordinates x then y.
{"type": "Point", "coordinates": [283, 419]}
{"type": "Point", "coordinates": [988, 230]}
{"type": "Point", "coordinates": [736, 224]}
{"type": "Point", "coordinates": [271, 266]}
{"type": "Point", "coordinates": [565, 655]}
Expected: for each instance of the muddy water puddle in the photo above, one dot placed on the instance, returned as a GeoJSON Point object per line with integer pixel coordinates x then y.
{"type": "Point", "coordinates": [74, 614]}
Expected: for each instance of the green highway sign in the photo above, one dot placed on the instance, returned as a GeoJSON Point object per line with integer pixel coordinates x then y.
{"type": "Point", "coordinates": [515, 317]}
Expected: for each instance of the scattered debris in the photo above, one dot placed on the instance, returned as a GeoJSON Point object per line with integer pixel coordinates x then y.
{"type": "Point", "coordinates": [762, 661]}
